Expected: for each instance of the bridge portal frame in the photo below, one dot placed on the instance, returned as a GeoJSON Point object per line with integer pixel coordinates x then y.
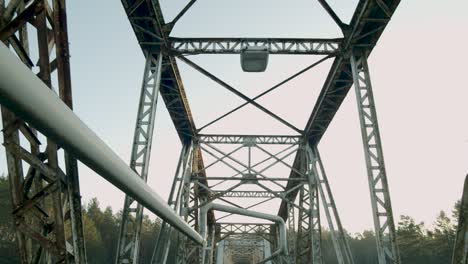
{"type": "Point", "coordinates": [350, 66]}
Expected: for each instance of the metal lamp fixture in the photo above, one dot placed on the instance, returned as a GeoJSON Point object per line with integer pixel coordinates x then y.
{"type": "Point", "coordinates": [254, 58]}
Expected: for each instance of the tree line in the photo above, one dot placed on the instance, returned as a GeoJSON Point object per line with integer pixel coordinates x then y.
{"type": "Point", "coordinates": [417, 244]}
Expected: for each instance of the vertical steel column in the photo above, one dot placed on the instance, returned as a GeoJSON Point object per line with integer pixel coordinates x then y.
{"type": "Point", "coordinates": [291, 232]}
{"type": "Point", "coordinates": [188, 252]}
{"type": "Point", "coordinates": [183, 173]}
{"type": "Point", "coordinates": [309, 248]}
{"type": "Point", "coordinates": [213, 245]}
{"type": "Point", "coordinates": [51, 150]}
{"type": "Point", "coordinates": [14, 163]}
{"type": "Point", "coordinates": [340, 242]}
{"type": "Point", "coordinates": [460, 250]}
{"type": "Point", "coordinates": [71, 164]}
{"type": "Point", "coordinates": [380, 196]}
{"type": "Point", "coordinates": [132, 215]}
{"type": "Point", "coordinates": [209, 247]}
{"type": "Point", "coordinates": [46, 201]}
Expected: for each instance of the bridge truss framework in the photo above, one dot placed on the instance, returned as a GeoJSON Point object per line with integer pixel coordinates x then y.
{"type": "Point", "coordinates": [47, 199]}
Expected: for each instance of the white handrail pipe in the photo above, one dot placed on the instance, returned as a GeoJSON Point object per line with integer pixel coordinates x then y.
{"type": "Point", "coordinates": [28, 97]}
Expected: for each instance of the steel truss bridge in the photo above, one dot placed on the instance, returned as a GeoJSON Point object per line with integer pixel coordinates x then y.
{"type": "Point", "coordinates": [46, 193]}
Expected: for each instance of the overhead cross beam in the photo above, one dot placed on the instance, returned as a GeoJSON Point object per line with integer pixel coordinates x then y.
{"type": "Point", "coordinates": [287, 150]}
{"type": "Point", "coordinates": [250, 139]}
{"type": "Point", "coordinates": [290, 46]}
{"type": "Point", "coordinates": [249, 194]}
{"type": "Point", "coordinates": [225, 230]}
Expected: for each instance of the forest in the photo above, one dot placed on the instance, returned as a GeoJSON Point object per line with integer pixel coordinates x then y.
{"type": "Point", "coordinates": [417, 244]}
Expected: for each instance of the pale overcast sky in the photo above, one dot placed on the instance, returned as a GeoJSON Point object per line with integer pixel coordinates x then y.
{"type": "Point", "coordinates": [417, 70]}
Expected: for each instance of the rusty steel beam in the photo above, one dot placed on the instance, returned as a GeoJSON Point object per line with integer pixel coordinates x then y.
{"type": "Point", "coordinates": [45, 186]}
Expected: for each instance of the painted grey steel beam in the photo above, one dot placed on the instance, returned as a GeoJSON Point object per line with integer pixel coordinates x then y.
{"type": "Point", "coordinates": [289, 46]}
{"type": "Point", "coordinates": [128, 246]}
{"type": "Point", "coordinates": [149, 16]}
{"type": "Point", "coordinates": [23, 93]}
{"type": "Point", "coordinates": [333, 15]}
{"type": "Point", "coordinates": [182, 175]}
{"type": "Point", "coordinates": [292, 232]}
{"type": "Point", "coordinates": [246, 194]}
{"type": "Point", "coordinates": [384, 224]}
{"type": "Point", "coordinates": [308, 238]}
{"type": "Point", "coordinates": [263, 161]}
{"type": "Point", "coordinates": [279, 160]}
{"type": "Point", "coordinates": [181, 13]}
{"type": "Point", "coordinates": [293, 180]}
{"type": "Point", "coordinates": [256, 179]}
{"type": "Point", "coordinates": [366, 26]}
{"type": "Point", "coordinates": [242, 228]}
{"type": "Point", "coordinates": [250, 170]}
{"type": "Point", "coordinates": [149, 27]}
{"type": "Point", "coordinates": [249, 139]}
{"type": "Point", "coordinates": [338, 235]}
{"type": "Point", "coordinates": [364, 32]}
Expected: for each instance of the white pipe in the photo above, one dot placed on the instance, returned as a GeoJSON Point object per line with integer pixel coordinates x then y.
{"type": "Point", "coordinates": [30, 99]}
{"type": "Point", "coordinates": [283, 247]}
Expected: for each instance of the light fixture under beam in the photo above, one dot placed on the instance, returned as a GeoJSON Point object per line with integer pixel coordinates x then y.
{"type": "Point", "coordinates": [254, 58]}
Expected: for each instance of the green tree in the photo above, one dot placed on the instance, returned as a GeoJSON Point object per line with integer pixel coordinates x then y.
{"type": "Point", "coordinates": [443, 238]}
{"type": "Point", "coordinates": [107, 229]}
{"type": "Point", "coordinates": [412, 241]}
{"type": "Point", "coordinates": [101, 228]}
{"type": "Point", "coordinates": [364, 247]}
{"type": "Point", "coordinates": [328, 251]}
{"type": "Point", "coordinates": [93, 240]}
{"type": "Point", "coordinates": [149, 231]}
